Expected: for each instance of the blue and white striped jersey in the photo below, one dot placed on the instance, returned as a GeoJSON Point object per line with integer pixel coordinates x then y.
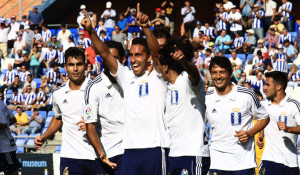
{"type": "Point", "coordinates": [50, 54]}
{"type": "Point", "coordinates": [54, 75]}
{"type": "Point", "coordinates": [288, 6]}
{"type": "Point", "coordinates": [222, 24]}
{"type": "Point", "coordinates": [37, 36]}
{"type": "Point", "coordinates": [295, 76]}
{"type": "Point", "coordinates": [10, 76]}
{"type": "Point", "coordinates": [23, 75]}
{"type": "Point", "coordinates": [46, 35]}
{"type": "Point", "coordinates": [257, 23]}
{"type": "Point", "coordinates": [281, 64]}
{"type": "Point", "coordinates": [282, 38]}
{"type": "Point", "coordinates": [29, 98]}
{"type": "Point", "coordinates": [17, 98]}
{"type": "Point", "coordinates": [238, 42]}
{"type": "Point", "coordinates": [86, 42]}
{"type": "Point", "coordinates": [61, 57]}
{"type": "Point", "coordinates": [209, 32]}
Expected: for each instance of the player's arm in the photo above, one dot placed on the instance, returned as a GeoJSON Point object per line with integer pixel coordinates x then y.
{"type": "Point", "coordinates": [95, 139]}
{"type": "Point", "coordinates": [103, 50]}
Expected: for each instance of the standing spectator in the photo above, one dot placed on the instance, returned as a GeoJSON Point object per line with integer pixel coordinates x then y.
{"type": "Point", "coordinates": [297, 42]}
{"type": "Point", "coordinates": [53, 76]}
{"type": "Point", "coordinates": [21, 123]}
{"type": "Point", "coordinates": [28, 39]}
{"type": "Point", "coordinates": [221, 19]}
{"type": "Point", "coordinates": [257, 23]}
{"type": "Point", "coordinates": [131, 24]}
{"type": "Point", "coordinates": [238, 43]}
{"type": "Point", "coordinates": [271, 38]}
{"type": "Point", "coordinates": [9, 75]}
{"type": "Point", "coordinates": [69, 43]}
{"type": "Point", "coordinates": [100, 27]}
{"type": "Point", "coordinates": [86, 42]}
{"type": "Point", "coordinates": [23, 74]}
{"type": "Point", "coordinates": [235, 19]}
{"type": "Point", "coordinates": [280, 60]}
{"type": "Point", "coordinates": [188, 13]}
{"type": "Point", "coordinates": [277, 25]}
{"type": "Point", "coordinates": [246, 6]}
{"type": "Point", "coordinates": [80, 17]}
{"type": "Point", "coordinates": [285, 36]}
{"type": "Point", "coordinates": [285, 10]}
{"type": "Point", "coordinates": [90, 54]}
{"type": "Point", "coordinates": [223, 41]}
{"type": "Point", "coordinates": [29, 100]}
{"type": "Point", "coordinates": [37, 36]}
{"type": "Point", "coordinates": [158, 21]}
{"type": "Point", "coordinates": [60, 55]}
{"type": "Point", "coordinates": [35, 123]}
{"type": "Point", "coordinates": [289, 50]}
{"type": "Point", "coordinates": [3, 39]}
{"type": "Point", "coordinates": [169, 6]}
{"type": "Point", "coordinates": [12, 35]}
{"type": "Point", "coordinates": [64, 34]}
{"type": "Point", "coordinates": [18, 45]}
{"type": "Point", "coordinates": [26, 61]}
{"type": "Point", "coordinates": [29, 82]}
{"type": "Point", "coordinates": [109, 16]}
{"type": "Point", "coordinates": [258, 64]}
{"type": "Point", "coordinates": [122, 23]}
{"type": "Point", "coordinates": [227, 5]}
{"type": "Point", "coordinates": [167, 21]}
{"type": "Point", "coordinates": [25, 21]}
{"type": "Point", "coordinates": [46, 34]}
{"type": "Point", "coordinates": [119, 36]}
{"type": "Point", "coordinates": [104, 37]}
{"type": "Point", "coordinates": [35, 18]}
{"type": "Point", "coordinates": [34, 62]}
{"type": "Point", "coordinates": [270, 11]}
{"type": "Point", "coordinates": [250, 42]}
{"type": "Point", "coordinates": [262, 4]}
{"type": "Point", "coordinates": [197, 29]}
{"type": "Point", "coordinates": [50, 56]}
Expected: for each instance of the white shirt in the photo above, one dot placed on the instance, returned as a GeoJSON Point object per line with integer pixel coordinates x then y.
{"type": "Point", "coordinates": [269, 8]}
{"type": "Point", "coordinates": [188, 15]}
{"type": "Point", "coordinates": [62, 37]}
{"type": "Point", "coordinates": [197, 30]}
{"type": "Point", "coordinates": [110, 20]}
{"type": "Point", "coordinates": [67, 45]}
{"type": "Point", "coordinates": [228, 5]}
{"type": "Point", "coordinates": [69, 106]}
{"type": "Point", "coordinates": [14, 28]}
{"type": "Point", "coordinates": [227, 114]}
{"type": "Point", "coordinates": [105, 102]}
{"type": "Point", "coordinates": [281, 147]}
{"type": "Point", "coordinates": [4, 35]}
{"type": "Point", "coordinates": [237, 61]}
{"type": "Point", "coordinates": [19, 45]}
{"type": "Point", "coordinates": [144, 122]}
{"type": "Point", "coordinates": [235, 26]}
{"type": "Point", "coordinates": [185, 130]}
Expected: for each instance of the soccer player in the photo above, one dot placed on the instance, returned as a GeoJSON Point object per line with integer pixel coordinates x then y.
{"type": "Point", "coordinates": [145, 133]}
{"type": "Point", "coordinates": [230, 110]}
{"type": "Point", "coordinates": [185, 95]}
{"type": "Point", "coordinates": [77, 155]}
{"type": "Point", "coordinates": [104, 105]}
{"type": "Point", "coordinates": [280, 154]}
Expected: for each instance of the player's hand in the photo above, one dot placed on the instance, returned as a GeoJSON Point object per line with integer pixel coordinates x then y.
{"type": "Point", "coordinates": [142, 19]}
{"type": "Point", "coordinates": [242, 135]}
{"type": "Point", "coordinates": [105, 160]}
{"type": "Point", "coordinates": [82, 125]}
{"type": "Point", "coordinates": [86, 23]}
{"type": "Point", "coordinates": [282, 126]}
{"type": "Point", "coordinates": [178, 54]}
{"type": "Point", "coordinates": [39, 141]}
{"type": "Point", "coordinates": [260, 142]}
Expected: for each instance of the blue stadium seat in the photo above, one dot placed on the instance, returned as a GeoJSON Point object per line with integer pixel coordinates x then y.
{"type": "Point", "coordinates": [57, 31]}
{"type": "Point", "coordinates": [62, 70]}
{"type": "Point", "coordinates": [21, 141]}
{"type": "Point", "coordinates": [30, 142]}
{"type": "Point", "coordinates": [53, 31]}
{"type": "Point", "coordinates": [296, 27]}
{"type": "Point", "coordinates": [44, 130]}
{"type": "Point", "coordinates": [29, 113]}
{"type": "Point", "coordinates": [44, 71]}
{"type": "Point", "coordinates": [14, 112]}
{"type": "Point", "coordinates": [50, 113]}
{"type": "Point", "coordinates": [43, 113]}
{"type": "Point", "coordinates": [242, 57]}
{"type": "Point", "coordinates": [73, 31]}
{"type": "Point", "coordinates": [227, 55]}
{"type": "Point", "coordinates": [288, 66]}
{"type": "Point", "coordinates": [20, 149]}
{"type": "Point", "coordinates": [293, 34]}
{"type": "Point", "coordinates": [47, 124]}
{"type": "Point", "coordinates": [250, 57]}
{"type": "Point", "coordinates": [57, 149]}
{"type": "Point", "coordinates": [299, 67]}
{"type": "Point", "coordinates": [38, 82]}
{"type": "Point", "coordinates": [9, 91]}
{"type": "Point", "coordinates": [48, 119]}
{"type": "Point", "coordinates": [4, 71]}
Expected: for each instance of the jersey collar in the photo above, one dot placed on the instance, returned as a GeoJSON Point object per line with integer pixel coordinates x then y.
{"type": "Point", "coordinates": [282, 103]}
{"type": "Point", "coordinates": [231, 94]}
{"type": "Point", "coordinates": [82, 87]}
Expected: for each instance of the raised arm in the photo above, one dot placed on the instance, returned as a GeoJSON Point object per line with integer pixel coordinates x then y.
{"type": "Point", "coordinates": [105, 54]}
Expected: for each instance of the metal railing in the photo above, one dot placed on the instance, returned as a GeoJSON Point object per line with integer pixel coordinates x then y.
{"type": "Point", "coordinates": [20, 8]}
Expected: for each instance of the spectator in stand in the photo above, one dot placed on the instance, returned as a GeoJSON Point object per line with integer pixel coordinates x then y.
{"type": "Point", "coordinates": [50, 56]}
{"type": "Point", "coordinates": [118, 36]}
{"type": "Point", "coordinates": [35, 123]}
{"type": "Point", "coordinates": [44, 81]}
{"type": "Point", "coordinates": [86, 42]}
{"type": "Point", "coordinates": [14, 30]}
{"type": "Point", "coordinates": [238, 43]}
{"type": "Point", "coordinates": [131, 24]}
{"type": "Point", "coordinates": [69, 43]}
{"type": "Point", "coordinates": [109, 16]}
{"type": "Point", "coordinates": [277, 25]}
{"type": "Point", "coordinates": [80, 17]}
{"type": "Point", "coordinates": [223, 41]}
{"type": "Point", "coordinates": [208, 56]}
{"type": "Point", "coordinates": [162, 36]}
{"type": "Point", "coordinates": [269, 68]}
{"type": "Point", "coordinates": [48, 101]}
{"type": "Point", "coordinates": [222, 20]}
{"type": "Point", "coordinates": [289, 50]}
{"type": "Point", "coordinates": [40, 97]}
{"type": "Point", "coordinates": [285, 10]}
{"type": "Point", "coordinates": [285, 36]}
{"type": "Point", "coordinates": [9, 75]}
{"type": "Point", "coordinates": [22, 118]}
{"type": "Point", "coordinates": [270, 11]}
{"type": "Point", "coordinates": [250, 42]}
{"type": "Point", "coordinates": [25, 21]}
{"type": "Point", "coordinates": [271, 38]}
{"type": "Point", "coordinates": [30, 83]}
{"type": "Point", "coordinates": [280, 60]}
{"type": "Point", "coordinates": [197, 29]}
{"type": "Point", "coordinates": [18, 45]}
{"type": "Point", "coordinates": [53, 76]}
{"type": "Point", "coordinates": [60, 55]}
{"type": "Point", "coordinates": [168, 5]}
{"type": "Point", "coordinates": [236, 72]}
{"type": "Point", "coordinates": [64, 34]}
{"type": "Point", "coordinates": [37, 36]}
{"type": "Point", "coordinates": [29, 100]}
{"type": "Point", "coordinates": [244, 80]}
{"type": "Point", "coordinates": [227, 5]}
{"type": "Point", "coordinates": [23, 74]}
{"type": "Point", "coordinates": [28, 39]}
{"type": "Point", "coordinates": [262, 4]}
{"type": "Point", "coordinates": [236, 60]}
{"type": "Point", "coordinates": [246, 6]}
{"type": "Point", "coordinates": [34, 62]}
{"type": "Point", "coordinates": [258, 64]}
{"type": "Point", "coordinates": [35, 18]}
{"type": "Point", "coordinates": [3, 40]}
{"type": "Point", "coordinates": [158, 21]}
{"type": "Point", "coordinates": [198, 60]}
{"type": "Point", "coordinates": [46, 34]}
{"type": "Point", "coordinates": [90, 54]}
{"type": "Point", "coordinates": [26, 61]}
{"type": "Point", "coordinates": [104, 37]}
{"type": "Point", "coordinates": [294, 76]}
{"type": "Point", "coordinates": [272, 52]}
{"type": "Point", "coordinates": [167, 21]}
{"type": "Point", "coordinates": [188, 13]}
{"type": "Point", "coordinates": [54, 41]}
{"type": "Point", "coordinates": [17, 83]}
{"type": "Point", "coordinates": [16, 100]}
{"type": "Point", "coordinates": [18, 59]}
{"type": "Point", "coordinates": [209, 31]}
{"type": "Point", "coordinates": [257, 23]}
{"type": "Point", "coordinates": [235, 20]}
{"type": "Point", "coordinates": [122, 23]}
{"type": "Point", "coordinates": [261, 47]}
{"type": "Point", "coordinates": [100, 27]}
{"type": "Point", "coordinates": [297, 42]}
{"type": "Point", "coordinates": [258, 84]}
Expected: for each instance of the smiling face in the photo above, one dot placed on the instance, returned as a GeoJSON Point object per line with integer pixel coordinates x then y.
{"type": "Point", "coordinates": [138, 59]}
{"type": "Point", "coordinates": [220, 77]}
{"type": "Point", "coordinates": [75, 68]}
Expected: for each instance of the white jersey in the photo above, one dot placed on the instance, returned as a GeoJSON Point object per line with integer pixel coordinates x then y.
{"type": "Point", "coordinates": [226, 115]}
{"type": "Point", "coordinates": [68, 106]}
{"type": "Point", "coordinates": [185, 111]}
{"type": "Point", "coordinates": [144, 99]}
{"type": "Point", "coordinates": [235, 26]}
{"type": "Point", "coordinates": [104, 104]}
{"type": "Point", "coordinates": [281, 147]}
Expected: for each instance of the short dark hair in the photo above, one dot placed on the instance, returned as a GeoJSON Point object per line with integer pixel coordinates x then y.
{"type": "Point", "coordinates": [63, 25]}
{"type": "Point", "coordinates": [208, 50]}
{"type": "Point", "coordinates": [183, 43]}
{"type": "Point", "coordinates": [221, 61]}
{"type": "Point", "coordinates": [286, 41]}
{"type": "Point", "coordinates": [45, 25]}
{"type": "Point", "coordinates": [258, 93]}
{"type": "Point", "coordinates": [161, 32]}
{"type": "Point", "coordinates": [247, 83]}
{"type": "Point", "coordinates": [278, 78]}
{"type": "Point", "coordinates": [14, 89]}
{"type": "Point", "coordinates": [143, 42]}
{"type": "Point", "coordinates": [17, 76]}
{"type": "Point", "coordinates": [116, 45]}
{"type": "Point", "coordinates": [19, 107]}
{"type": "Point", "coordinates": [74, 52]}
{"type": "Point", "coordinates": [54, 65]}
{"type": "Point", "coordinates": [29, 75]}
{"type": "Point", "coordinates": [259, 53]}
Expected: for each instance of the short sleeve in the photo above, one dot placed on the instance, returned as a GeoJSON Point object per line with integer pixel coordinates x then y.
{"type": "Point", "coordinates": [122, 74]}
{"type": "Point", "coordinates": [56, 109]}
{"type": "Point", "coordinates": [257, 109]}
{"type": "Point", "coordinates": [91, 104]}
{"type": "Point", "coordinates": [297, 114]}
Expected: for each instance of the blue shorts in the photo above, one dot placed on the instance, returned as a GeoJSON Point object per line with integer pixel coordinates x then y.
{"type": "Point", "coordinates": [185, 165]}
{"type": "Point", "coordinates": [81, 167]}
{"type": "Point", "coordinates": [272, 168]}
{"type": "Point", "coordinates": [205, 165]}
{"type": "Point", "coordinates": [250, 171]}
{"type": "Point", "coordinates": [117, 170]}
{"type": "Point", "coordinates": [148, 161]}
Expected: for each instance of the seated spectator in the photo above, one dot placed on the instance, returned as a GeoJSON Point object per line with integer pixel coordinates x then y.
{"type": "Point", "coordinates": [236, 60]}
{"type": "Point", "coordinates": [50, 57]}
{"type": "Point", "coordinates": [134, 34]}
{"type": "Point", "coordinates": [29, 98]}
{"type": "Point", "coordinates": [237, 70]}
{"type": "Point", "coordinates": [209, 31]}
{"type": "Point", "coordinates": [272, 53]}
{"type": "Point", "coordinates": [86, 42]}
{"type": "Point", "coordinates": [244, 80]}
{"type": "Point", "coordinates": [247, 85]}
{"type": "Point", "coordinates": [16, 100]}
{"type": "Point", "coordinates": [118, 36]}
{"type": "Point", "coordinates": [37, 36]}
{"type": "Point", "coordinates": [19, 44]}
{"type": "Point", "coordinates": [40, 97]}
{"type": "Point", "coordinates": [289, 50]}
{"type": "Point", "coordinates": [294, 76]}
{"type": "Point", "coordinates": [261, 47]}
{"type": "Point", "coordinates": [271, 38]}
{"type": "Point", "coordinates": [223, 41]}
{"type": "Point", "coordinates": [53, 76]}
{"type": "Point", "coordinates": [21, 123]}
{"type": "Point", "coordinates": [285, 36]}
{"type": "Point", "coordinates": [69, 43]}
{"type": "Point", "coordinates": [17, 83]}
{"type": "Point", "coordinates": [258, 64]}
{"type": "Point", "coordinates": [54, 41]}
{"type": "Point", "coordinates": [258, 83]}
{"type": "Point", "coordinates": [9, 76]}
{"type": "Point", "coordinates": [269, 68]}
{"type": "Point", "coordinates": [18, 59]}
{"type": "Point", "coordinates": [297, 42]}
{"type": "Point", "coordinates": [208, 56]}
{"type": "Point", "coordinates": [103, 37]}
{"type": "Point", "coordinates": [250, 42]}
{"type": "Point", "coordinates": [90, 54]}
{"type": "Point", "coordinates": [198, 60]}
{"type": "Point", "coordinates": [64, 34]}
{"type": "Point", "coordinates": [122, 23]}
{"type": "Point", "coordinates": [257, 21]}
{"type": "Point", "coordinates": [60, 55]}
{"type": "Point", "coordinates": [34, 62]}
{"type": "Point", "coordinates": [43, 81]}
{"type": "Point", "coordinates": [29, 82]}
{"type": "Point", "coordinates": [26, 61]}
{"type": "Point", "coordinates": [23, 74]}
{"type": "Point", "coordinates": [46, 34]}
{"type": "Point", "coordinates": [35, 123]}
{"type": "Point", "coordinates": [277, 26]}
{"type": "Point", "coordinates": [47, 101]}
{"type": "Point", "coordinates": [280, 60]}
{"type": "Point", "coordinates": [100, 27]}
{"type": "Point", "coordinates": [238, 43]}
{"type": "Point", "coordinates": [197, 29]}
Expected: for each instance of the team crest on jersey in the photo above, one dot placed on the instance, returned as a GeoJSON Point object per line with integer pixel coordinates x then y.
{"type": "Point", "coordinates": [184, 172]}
{"type": "Point", "coordinates": [236, 117]}
{"type": "Point", "coordinates": [88, 112]}
{"type": "Point", "coordinates": [283, 117]}
{"type": "Point", "coordinates": [174, 97]}
{"type": "Point", "coordinates": [144, 89]}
